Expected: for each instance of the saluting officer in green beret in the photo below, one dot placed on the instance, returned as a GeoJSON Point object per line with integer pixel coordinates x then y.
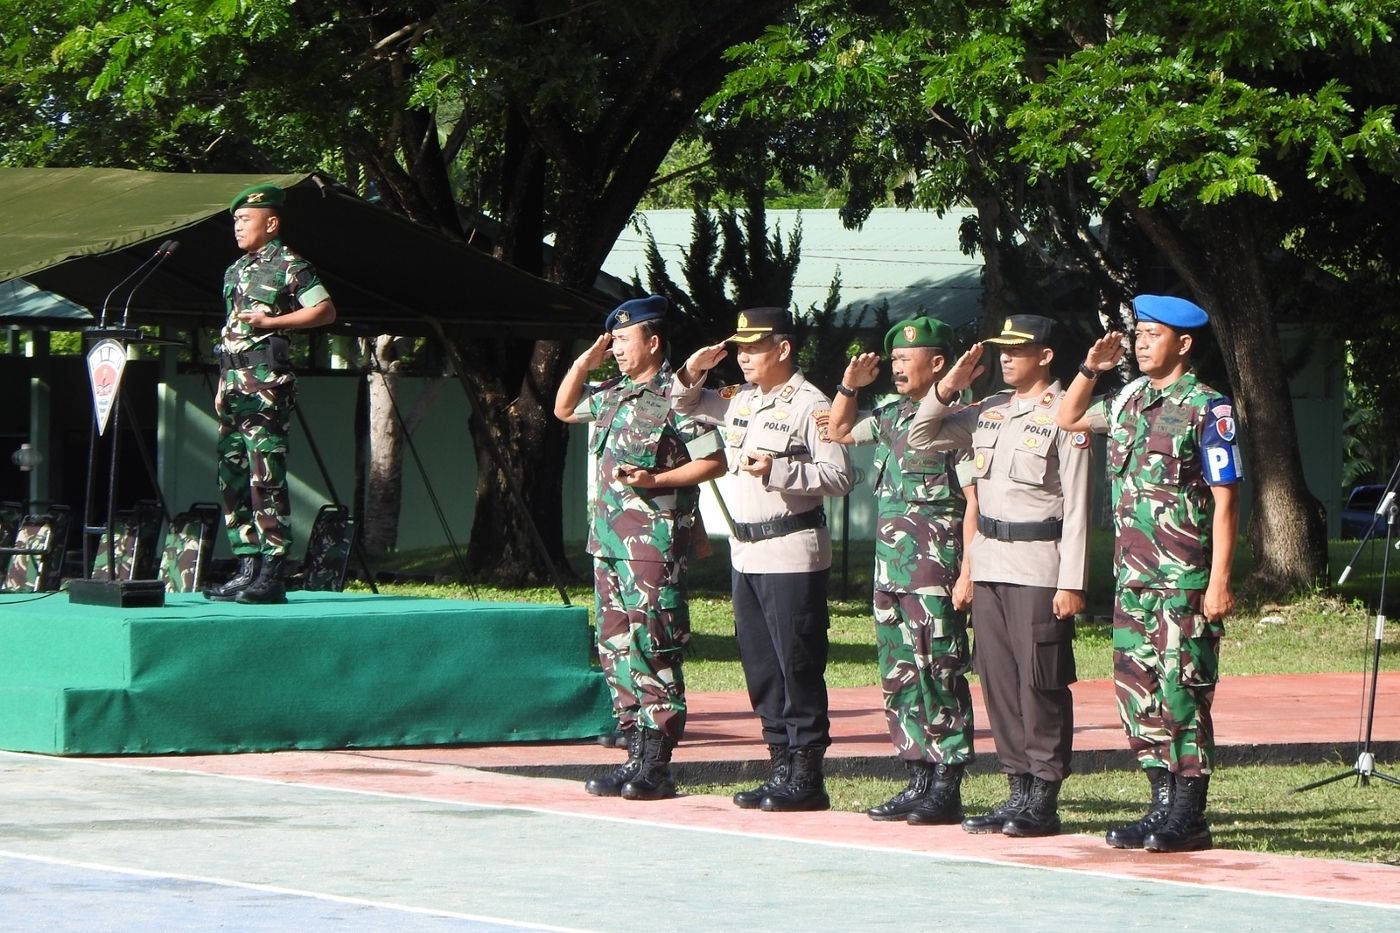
{"type": "Point", "coordinates": [921, 638]}
{"type": "Point", "coordinates": [268, 292]}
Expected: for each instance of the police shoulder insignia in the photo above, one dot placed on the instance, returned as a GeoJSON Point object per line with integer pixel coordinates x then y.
{"type": "Point", "coordinates": [822, 417]}
{"type": "Point", "coordinates": [788, 392]}
{"type": "Point", "coordinates": [1080, 439]}
{"type": "Point", "coordinates": [728, 392]}
{"type": "Point", "coordinates": [1047, 399]}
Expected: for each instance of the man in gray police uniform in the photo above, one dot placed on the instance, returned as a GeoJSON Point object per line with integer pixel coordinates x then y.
{"type": "Point", "coordinates": [783, 464]}
{"type": "Point", "coordinates": [1028, 561]}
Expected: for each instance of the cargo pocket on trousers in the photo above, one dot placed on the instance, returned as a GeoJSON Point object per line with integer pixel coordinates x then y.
{"type": "Point", "coordinates": [1052, 667]}
{"type": "Point", "coordinates": [1198, 649]}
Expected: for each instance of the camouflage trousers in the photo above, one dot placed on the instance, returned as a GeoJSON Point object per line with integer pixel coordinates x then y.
{"type": "Point", "coordinates": [253, 429]}
{"type": "Point", "coordinates": [922, 645]}
{"type": "Point", "coordinates": [643, 627]}
{"type": "Point", "coordinates": [1166, 661]}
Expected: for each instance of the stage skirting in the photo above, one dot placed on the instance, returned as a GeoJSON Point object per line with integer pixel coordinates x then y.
{"type": "Point", "coordinates": [327, 670]}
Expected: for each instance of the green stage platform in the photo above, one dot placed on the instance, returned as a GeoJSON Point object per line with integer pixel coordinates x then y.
{"type": "Point", "coordinates": [327, 670]}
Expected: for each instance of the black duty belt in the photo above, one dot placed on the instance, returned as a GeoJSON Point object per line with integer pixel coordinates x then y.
{"type": "Point", "coordinates": [762, 531]}
{"type": "Point", "coordinates": [1020, 531]}
{"type": "Point", "coordinates": [269, 354]}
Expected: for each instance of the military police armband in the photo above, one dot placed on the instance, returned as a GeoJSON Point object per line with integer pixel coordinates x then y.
{"type": "Point", "coordinates": [1220, 458]}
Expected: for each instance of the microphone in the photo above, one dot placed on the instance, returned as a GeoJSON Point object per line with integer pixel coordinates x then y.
{"type": "Point", "coordinates": [160, 250]}
{"type": "Point", "coordinates": [1384, 507]}
{"type": "Point", "coordinates": [164, 250]}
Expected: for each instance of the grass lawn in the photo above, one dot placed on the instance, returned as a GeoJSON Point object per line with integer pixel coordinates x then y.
{"type": "Point", "coordinates": [1251, 807]}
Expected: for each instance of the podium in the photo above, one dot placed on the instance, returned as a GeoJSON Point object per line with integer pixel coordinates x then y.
{"type": "Point", "coordinates": [106, 357]}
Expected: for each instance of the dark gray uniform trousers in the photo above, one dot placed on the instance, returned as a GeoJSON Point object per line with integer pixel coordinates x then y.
{"type": "Point", "coordinates": [1025, 658]}
{"type": "Point", "coordinates": [781, 623]}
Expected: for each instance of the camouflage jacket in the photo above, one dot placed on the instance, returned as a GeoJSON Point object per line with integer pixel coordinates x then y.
{"type": "Point", "coordinates": [919, 504]}
{"type": "Point", "coordinates": [275, 281]}
{"type": "Point", "coordinates": [1166, 448]}
{"type": "Point", "coordinates": [634, 424]}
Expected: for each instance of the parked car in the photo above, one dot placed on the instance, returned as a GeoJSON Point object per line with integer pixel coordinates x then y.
{"type": "Point", "coordinates": [1359, 513]}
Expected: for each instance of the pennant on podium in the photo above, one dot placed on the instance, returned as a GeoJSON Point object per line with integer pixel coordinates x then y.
{"type": "Point", "coordinates": [106, 363]}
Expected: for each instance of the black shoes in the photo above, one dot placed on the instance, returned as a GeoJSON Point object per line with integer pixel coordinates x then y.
{"type": "Point", "coordinates": [805, 788]}
{"type": "Point", "coordinates": [942, 805]}
{"type": "Point", "coordinates": [229, 590]}
{"type": "Point", "coordinates": [267, 587]}
{"type": "Point", "coordinates": [1133, 835]}
{"type": "Point", "coordinates": [1039, 816]}
{"type": "Point", "coordinates": [898, 806]}
{"type": "Point", "coordinates": [993, 822]}
{"type": "Point", "coordinates": [1186, 829]}
{"type": "Point", "coordinates": [778, 764]}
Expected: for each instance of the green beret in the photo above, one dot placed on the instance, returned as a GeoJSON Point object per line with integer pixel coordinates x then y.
{"type": "Point", "coordinates": [920, 332]}
{"type": "Point", "coordinates": [258, 196]}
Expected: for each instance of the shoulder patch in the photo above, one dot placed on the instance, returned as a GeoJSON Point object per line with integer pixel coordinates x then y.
{"type": "Point", "coordinates": [822, 418]}
{"type": "Point", "coordinates": [728, 392]}
{"type": "Point", "coordinates": [1079, 439]}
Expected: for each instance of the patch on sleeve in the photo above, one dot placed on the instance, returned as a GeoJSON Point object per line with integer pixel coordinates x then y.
{"type": "Point", "coordinates": [1220, 458]}
{"type": "Point", "coordinates": [1079, 439]}
{"type": "Point", "coordinates": [728, 392]}
{"type": "Point", "coordinates": [822, 418]}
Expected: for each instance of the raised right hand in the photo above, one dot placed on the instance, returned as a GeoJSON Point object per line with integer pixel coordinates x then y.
{"type": "Point", "coordinates": [1106, 352]}
{"type": "Point", "coordinates": [861, 370]}
{"type": "Point", "coordinates": [703, 360]}
{"type": "Point", "coordinates": [965, 370]}
{"type": "Point", "coordinates": [596, 354]}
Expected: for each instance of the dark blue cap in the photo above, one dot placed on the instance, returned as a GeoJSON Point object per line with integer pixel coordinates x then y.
{"type": "Point", "coordinates": [650, 308]}
{"type": "Point", "coordinates": [1173, 312]}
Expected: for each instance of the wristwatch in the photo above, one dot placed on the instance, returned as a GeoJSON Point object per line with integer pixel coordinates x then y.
{"type": "Point", "coordinates": [1087, 372]}
{"type": "Point", "coordinates": [846, 391]}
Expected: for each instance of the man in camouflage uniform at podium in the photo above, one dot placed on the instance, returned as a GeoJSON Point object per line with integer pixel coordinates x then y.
{"type": "Point", "coordinates": [648, 464]}
{"type": "Point", "coordinates": [922, 640]}
{"type": "Point", "coordinates": [268, 291]}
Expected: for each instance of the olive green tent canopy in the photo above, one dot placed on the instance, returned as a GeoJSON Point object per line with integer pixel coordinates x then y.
{"type": "Point", "coordinates": [79, 232]}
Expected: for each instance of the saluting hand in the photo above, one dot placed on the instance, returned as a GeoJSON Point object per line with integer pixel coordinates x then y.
{"type": "Point", "coordinates": [702, 361]}
{"type": "Point", "coordinates": [965, 370]}
{"type": "Point", "coordinates": [1106, 352]}
{"type": "Point", "coordinates": [596, 354]}
{"type": "Point", "coordinates": [861, 370]}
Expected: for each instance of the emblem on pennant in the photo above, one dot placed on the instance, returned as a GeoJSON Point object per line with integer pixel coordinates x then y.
{"type": "Point", "coordinates": [106, 362]}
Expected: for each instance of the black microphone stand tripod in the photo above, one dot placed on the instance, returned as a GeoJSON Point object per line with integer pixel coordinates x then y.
{"type": "Point", "coordinates": [1365, 766]}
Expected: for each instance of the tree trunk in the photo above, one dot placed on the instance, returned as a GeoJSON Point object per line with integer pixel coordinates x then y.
{"type": "Point", "coordinates": [384, 473]}
{"type": "Point", "coordinates": [1286, 530]}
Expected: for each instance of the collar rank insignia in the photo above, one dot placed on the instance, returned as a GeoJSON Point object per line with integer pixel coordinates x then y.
{"type": "Point", "coordinates": [1047, 399]}
{"type": "Point", "coordinates": [787, 393]}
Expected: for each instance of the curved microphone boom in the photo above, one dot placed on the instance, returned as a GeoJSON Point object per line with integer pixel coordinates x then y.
{"type": "Point", "coordinates": [154, 257]}
{"type": "Point", "coordinates": [165, 249]}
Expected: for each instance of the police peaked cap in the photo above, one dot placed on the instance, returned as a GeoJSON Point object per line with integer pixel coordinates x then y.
{"type": "Point", "coordinates": [920, 332]}
{"type": "Point", "coordinates": [756, 323]}
{"type": "Point", "coordinates": [258, 196]}
{"type": "Point", "coordinates": [1176, 313]}
{"type": "Point", "coordinates": [1020, 329]}
{"type": "Point", "coordinates": [637, 311]}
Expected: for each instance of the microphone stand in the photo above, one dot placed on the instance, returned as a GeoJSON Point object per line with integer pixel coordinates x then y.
{"type": "Point", "coordinates": [1365, 766]}
{"type": "Point", "coordinates": [112, 342]}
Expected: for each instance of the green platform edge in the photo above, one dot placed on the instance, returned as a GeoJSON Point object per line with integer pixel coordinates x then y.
{"type": "Point", "coordinates": [325, 671]}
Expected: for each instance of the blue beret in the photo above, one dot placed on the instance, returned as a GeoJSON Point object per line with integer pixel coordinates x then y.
{"type": "Point", "coordinates": [636, 311]}
{"type": "Point", "coordinates": [1173, 312]}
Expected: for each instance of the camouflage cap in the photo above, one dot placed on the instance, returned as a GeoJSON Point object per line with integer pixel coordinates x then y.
{"type": "Point", "coordinates": [757, 323]}
{"type": "Point", "coordinates": [269, 196]}
{"type": "Point", "coordinates": [1174, 312]}
{"type": "Point", "coordinates": [920, 332]}
{"type": "Point", "coordinates": [636, 311]}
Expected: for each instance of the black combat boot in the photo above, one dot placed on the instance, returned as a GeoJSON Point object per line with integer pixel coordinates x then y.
{"type": "Point", "coordinates": [942, 805]}
{"type": "Point", "coordinates": [1133, 835]}
{"type": "Point", "coordinates": [805, 788]}
{"type": "Point", "coordinates": [777, 777]}
{"type": "Point", "coordinates": [616, 739]}
{"type": "Point", "coordinates": [1038, 817]}
{"type": "Point", "coordinates": [267, 588]}
{"type": "Point", "coordinates": [1186, 829]}
{"type": "Point", "coordinates": [993, 822]}
{"type": "Point", "coordinates": [898, 806]}
{"type": "Point", "coordinates": [653, 779]}
{"type": "Point", "coordinates": [247, 572]}
{"type": "Point", "coordinates": [610, 784]}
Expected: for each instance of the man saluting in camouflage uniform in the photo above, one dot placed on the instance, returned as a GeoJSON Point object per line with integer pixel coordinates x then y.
{"type": "Point", "coordinates": [1175, 473]}
{"type": "Point", "coordinates": [922, 640]}
{"type": "Point", "coordinates": [268, 291]}
{"type": "Point", "coordinates": [649, 461]}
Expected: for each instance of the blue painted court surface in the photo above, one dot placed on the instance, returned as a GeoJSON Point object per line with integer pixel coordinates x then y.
{"type": "Point", "coordinates": [85, 845]}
